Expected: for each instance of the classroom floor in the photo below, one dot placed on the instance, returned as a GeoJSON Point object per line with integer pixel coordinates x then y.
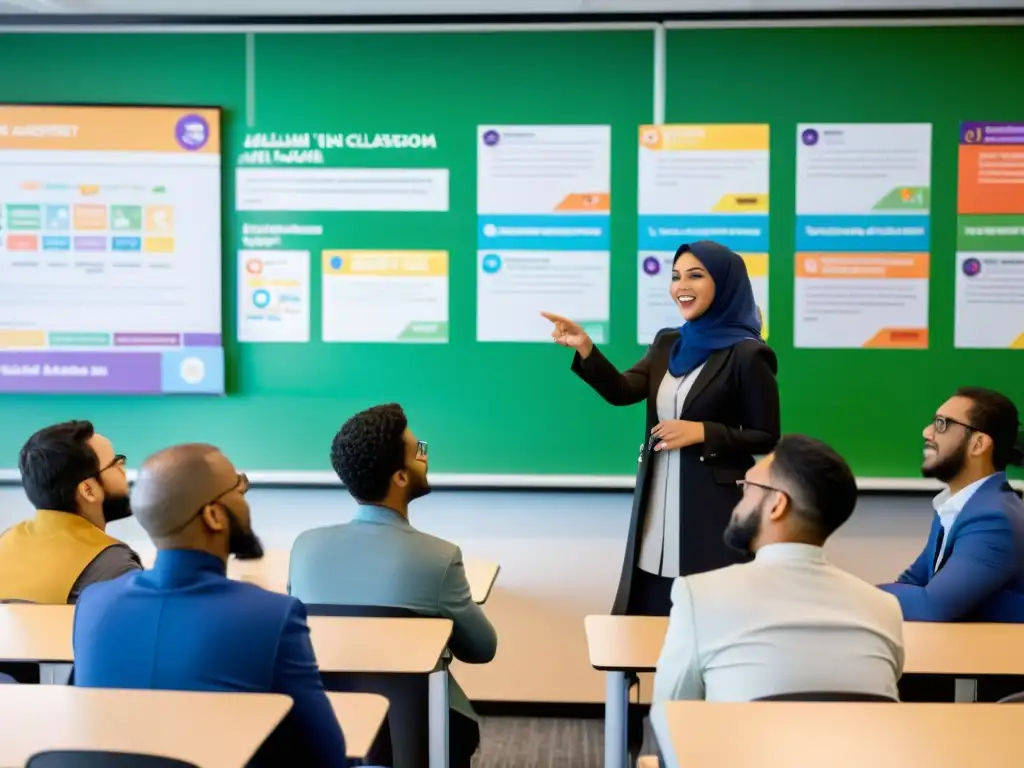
{"type": "Point", "coordinates": [531, 742]}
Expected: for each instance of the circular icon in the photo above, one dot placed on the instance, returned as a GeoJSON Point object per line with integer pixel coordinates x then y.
{"type": "Point", "coordinates": [192, 370]}
{"type": "Point", "coordinates": [336, 262]}
{"type": "Point", "coordinates": [254, 266]}
{"type": "Point", "coordinates": [650, 137]}
{"type": "Point", "coordinates": [971, 267]}
{"type": "Point", "coordinates": [490, 230]}
{"type": "Point", "coordinates": [192, 132]}
{"type": "Point", "coordinates": [491, 263]}
{"type": "Point", "coordinates": [491, 137]}
{"type": "Point", "coordinates": [809, 137]}
{"type": "Point", "coordinates": [652, 266]}
{"type": "Point", "coordinates": [261, 298]}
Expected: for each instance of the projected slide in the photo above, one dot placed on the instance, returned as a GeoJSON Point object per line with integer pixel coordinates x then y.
{"type": "Point", "coordinates": [110, 250]}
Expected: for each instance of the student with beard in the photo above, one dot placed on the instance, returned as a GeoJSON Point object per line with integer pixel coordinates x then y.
{"type": "Point", "coordinates": [184, 625]}
{"type": "Point", "coordinates": [789, 621]}
{"type": "Point", "coordinates": [972, 565]}
{"type": "Point", "coordinates": [77, 484]}
{"type": "Point", "coordinates": [379, 559]}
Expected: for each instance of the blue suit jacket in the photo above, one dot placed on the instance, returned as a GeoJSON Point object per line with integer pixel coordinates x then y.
{"type": "Point", "coordinates": [185, 626]}
{"type": "Point", "coordinates": [981, 576]}
{"type": "Point", "coordinates": [380, 559]}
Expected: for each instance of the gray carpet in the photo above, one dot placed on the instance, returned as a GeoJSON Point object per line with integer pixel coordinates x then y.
{"type": "Point", "coordinates": [531, 742]}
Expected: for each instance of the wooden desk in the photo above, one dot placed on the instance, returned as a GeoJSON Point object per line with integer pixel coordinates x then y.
{"type": "Point", "coordinates": [401, 646]}
{"type": "Point", "coordinates": [361, 715]}
{"type": "Point", "coordinates": [838, 735]}
{"type": "Point", "coordinates": [212, 730]}
{"type": "Point", "coordinates": [271, 572]}
{"type": "Point", "coordinates": [624, 644]}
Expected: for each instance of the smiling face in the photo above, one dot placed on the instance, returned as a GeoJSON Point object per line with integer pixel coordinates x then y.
{"type": "Point", "coordinates": [692, 288]}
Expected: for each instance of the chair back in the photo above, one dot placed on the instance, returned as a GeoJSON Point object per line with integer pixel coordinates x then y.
{"type": "Point", "coordinates": [828, 696]}
{"type": "Point", "coordinates": [404, 739]}
{"type": "Point", "coordinates": [74, 758]}
{"type": "Point", "coordinates": [1015, 698]}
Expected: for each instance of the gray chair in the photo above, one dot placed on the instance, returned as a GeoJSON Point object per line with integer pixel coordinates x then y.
{"type": "Point", "coordinates": [404, 739]}
{"type": "Point", "coordinates": [828, 696]}
{"type": "Point", "coordinates": [99, 759]}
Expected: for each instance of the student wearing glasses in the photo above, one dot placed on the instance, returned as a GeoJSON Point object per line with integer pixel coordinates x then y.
{"type": "Point", "coordinates": [380, 559]}
{"type": "Point", "coordinates": [77, 484]}
{"type": "Point", "coordinates": [972, 564]}
{"type": "Point", "coordinates": [788, 621]}
{"type": "Point", "coordinates": [184, 625]}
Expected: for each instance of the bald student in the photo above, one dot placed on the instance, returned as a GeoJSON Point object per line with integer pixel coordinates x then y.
{"type": "Point", "coordinates": [185, 626]}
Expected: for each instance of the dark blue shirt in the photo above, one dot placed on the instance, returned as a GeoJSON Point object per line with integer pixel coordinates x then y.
{"type": "Point", "coordinates": [185, 626]}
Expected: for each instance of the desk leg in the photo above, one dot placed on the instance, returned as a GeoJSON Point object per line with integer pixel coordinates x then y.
{"type": "Point", "coordinates": [965, 690]}
{"type": "Point", "coordinates": [54, 674]}
{"type": "Point", "coordinates": [438, 718]}
{"type": "Point", "coordinates": [616, 714]}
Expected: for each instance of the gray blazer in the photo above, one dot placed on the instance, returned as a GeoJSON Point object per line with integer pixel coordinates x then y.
{"type": "Point", "coordinates": [788, 622]}
{"type": "Point", "coordinates": [380, 559]}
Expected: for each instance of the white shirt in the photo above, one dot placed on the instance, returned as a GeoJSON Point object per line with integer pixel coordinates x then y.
{"type": "Point", "coordinates": [948, 507]}
{"type": "Point", "coordinates": [659, 537]}
{"type": "Point", "coordinates": [788, 622]}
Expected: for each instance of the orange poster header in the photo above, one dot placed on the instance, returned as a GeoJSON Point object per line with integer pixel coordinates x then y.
{"type": "Point", "coordinates": [863, 266]}
{"type": "Point", "coordinates": [111, 129]}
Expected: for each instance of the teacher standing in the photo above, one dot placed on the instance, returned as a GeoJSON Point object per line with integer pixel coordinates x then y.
{"type": "Point", "coordinates": [712, 405]}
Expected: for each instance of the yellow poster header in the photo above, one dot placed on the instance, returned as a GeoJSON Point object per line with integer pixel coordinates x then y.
{"type": "Point", "coordinates": [386, 263]}
{"type": "Point", "coordinates": [111, 129]}
{"type": "Point", "coordinates": [720, 136]}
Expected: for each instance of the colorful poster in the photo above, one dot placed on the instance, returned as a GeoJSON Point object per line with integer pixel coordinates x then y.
{"type": "Point", "coordinates": [990, 237]}
{"type": "Point", "coordinates": [543, 216]}
{"type": "Point", "coordinates": [110, 250]}
{"type": "Point", "coordinates": [862, 257]}
{"type": "Point", "coordinates": [273, 296]}
{"type": "Point", "coordinates": [699, 182]}
{"type": "Point", "coordinates": [385, 296]}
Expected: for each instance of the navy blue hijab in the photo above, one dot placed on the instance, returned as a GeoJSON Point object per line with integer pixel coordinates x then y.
{"type": "Point", "coordinates": [732, 316]}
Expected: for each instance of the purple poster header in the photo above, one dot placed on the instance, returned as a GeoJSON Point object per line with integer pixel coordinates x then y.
{"type": "Point", "coordinates": [107, 372]}
{"type": "Point", "coordinates": [992, 133]}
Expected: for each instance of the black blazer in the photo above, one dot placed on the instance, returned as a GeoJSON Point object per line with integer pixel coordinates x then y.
{"type": "Point", "coordinates": [736, 396]}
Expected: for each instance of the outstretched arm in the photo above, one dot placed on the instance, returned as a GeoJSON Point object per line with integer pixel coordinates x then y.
{"type": "Point", "coordinates": [614, 386]}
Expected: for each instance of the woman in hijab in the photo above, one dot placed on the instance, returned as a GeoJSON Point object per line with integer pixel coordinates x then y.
{"type": "Point", "coordinates": [712, 405]}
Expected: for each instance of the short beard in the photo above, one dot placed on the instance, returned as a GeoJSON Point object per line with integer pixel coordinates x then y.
{"type": "Point", "coordinates": [947, 467]}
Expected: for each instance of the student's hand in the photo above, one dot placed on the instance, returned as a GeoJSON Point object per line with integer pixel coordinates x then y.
{"type": "Point", "coordinates": [675, 434]}
{"type": "Point", "coordinates": [569, 334]}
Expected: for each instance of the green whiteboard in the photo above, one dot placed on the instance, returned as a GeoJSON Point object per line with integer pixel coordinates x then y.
{"type": "Point", "coordinates": [515, 409]}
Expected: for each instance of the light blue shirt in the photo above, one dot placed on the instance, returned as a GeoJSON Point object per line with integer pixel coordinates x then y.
{"type": "Point", "coordinates": [948, 507]}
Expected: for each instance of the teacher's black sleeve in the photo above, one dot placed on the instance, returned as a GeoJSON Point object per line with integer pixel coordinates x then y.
{"type": "Point", "coordinates": [617, 388]}
{"type": "Point", "coordinates": [758, 400]}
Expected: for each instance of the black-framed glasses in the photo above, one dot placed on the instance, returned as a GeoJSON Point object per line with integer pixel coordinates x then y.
{"type": "Point", "coordinates": [118, 461]}
{"type": "Point", "coordinates": [241, 485]}
{"type": "Point", "coordinates": [421, 449]}
{"type": "Point", "coordinates": [941, 423]}
{"type": "Point", "coordinates": [743, 484]}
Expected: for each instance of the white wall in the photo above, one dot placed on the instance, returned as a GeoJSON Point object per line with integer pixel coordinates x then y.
{"type": "Point", "coordinates": [560, 555]}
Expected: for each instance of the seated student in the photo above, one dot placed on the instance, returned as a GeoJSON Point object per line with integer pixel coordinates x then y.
{"type": "Point", "coordinates": [379, 559]}
{"type": "Point", "coordinates": [77, 484]}
{"type": "Point", "coordinates": [787, 622]}
{"type": "Point", "coordinates": [185, 626]}
{"type": "Point", "coordinates": [972, 565]}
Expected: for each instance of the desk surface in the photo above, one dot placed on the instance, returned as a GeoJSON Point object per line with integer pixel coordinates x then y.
{"type": "Point", "coordinates": [403, 646]}
{"type": "Point", "coordinates": [36, 633]}
{"type": "Point", "coordinates": [271, 572]}
{"type": "Point", "coordinates": [633, 643]}
{"type": "Point", "coordinates": [841, 735]}
{"type": "Point", "coordinates": [223, 729]}
{"type": "Point", "coordinates": [361, 716]}
{"type": "Point", "coordinates": [342, 644]}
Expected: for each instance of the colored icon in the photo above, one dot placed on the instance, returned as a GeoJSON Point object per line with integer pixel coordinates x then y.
{"type": "Point", "coordinates": [972, 267]}
{"type": "Point", "coordinates": [491, 263]}
{"type": "Point", "coordinates": [261, 298]}
{"type": "Point", "coordinates": [336, 262]}
{"type": "Point", "coordinates": [652, 266]}
{"type": "Point", "coordinates": [809, 137]}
